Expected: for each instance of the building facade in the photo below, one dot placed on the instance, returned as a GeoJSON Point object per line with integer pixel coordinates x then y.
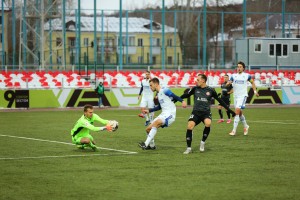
{"type": "Point", "coordinates": [142, 42]}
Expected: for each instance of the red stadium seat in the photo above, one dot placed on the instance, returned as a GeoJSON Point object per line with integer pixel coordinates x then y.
{"type": "Point", "coordinates": [87, 84]}
{"type": "Point", "coordinates": [17, 85]}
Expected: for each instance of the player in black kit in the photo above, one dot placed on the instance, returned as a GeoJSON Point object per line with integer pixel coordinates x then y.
{"type": "Point", "coordinates": [225, 96]}
{"type": "Point", "coordinates": [201, 110]}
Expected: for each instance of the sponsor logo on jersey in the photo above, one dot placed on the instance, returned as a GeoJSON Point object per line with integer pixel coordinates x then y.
{"type": "Point", "coordinates": [201, 99]}
{"type": "Point", "coordinates": [239, 82]}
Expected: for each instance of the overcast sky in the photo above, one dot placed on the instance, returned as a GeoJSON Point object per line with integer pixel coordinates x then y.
{"type": "Point", "coordinates": [130, 4]}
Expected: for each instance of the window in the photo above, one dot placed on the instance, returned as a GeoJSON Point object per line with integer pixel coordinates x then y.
{"type": "Point", "coordinates": [0, 37]}
{"type": "Point", "coordinates": [58, 60]}
{"type": "Point", "coordinates": [129, 59]}
{"type": "Point", "coordinates": [140, 60]}
{"type": "Point", "coordinates": [155, 42]}
{"type": "Point", "coordinates": [257, 48]}
{"type": "Point", "coordinates": [278, 49]}
{"type": "Point", "coordinates": [131, 41]}
{"type": "Point", "coordinates": [170, 60]}
{"type": "Point", "coordinates": [169, 42]}
{"type": "Point", "coordinates": [86, 42]}
{"type": "Point", "coordinates": [154, 60]}
{"type": "Point", "coordinates": [140, 42]}
{"type": "Point", "coordinates": [107, 43]}
{"type": "Point", "coordinates": [72, 42]}
{"type": "Point", "coordinates": [284, 50]}
{"type": "Point", "coordinates": [0, 20]}
{"type": "Point", "coordinates": [58, 42]}
{"type": "Point", "coordinates": [271, 50]}
{"type": "Point", "coordinates": [295, 48]}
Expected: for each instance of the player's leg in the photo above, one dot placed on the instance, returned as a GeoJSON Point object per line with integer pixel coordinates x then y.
{"type": "Point", "coordinates": [84, 142]}
{"type": "Point", "coordinates": [239, 103]}
{"type": "Point", "coordinates": [243, 119]}
{"type": "Point", "coordinates": [228, 116]}
{"type": "Point", "coordinates": [227, 111]}
{"type": "Point", "coordinates": [192, 122]}
{"type": "Point", "coordinates": [163, 120]}
{"type": "Point", "coordinates": [151, 131]}
{"type": "Point", "coordinates": [150, 103]}
{"type": "Point", "coordinates": [221, 114]}
{"type": "Point", "coordinates": [143, 106]}
{"type": "Point", "coordinates": [88, 141]}
{"type": "Point", "coordinates": [206, 131]}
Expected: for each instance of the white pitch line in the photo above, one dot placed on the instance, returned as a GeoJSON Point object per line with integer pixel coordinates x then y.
{"type": "Point", "coordinates": [65, 156]}
{"type": "Point", "coordinates": [273, 122]}
{"type": "Point", "coordinates": [41, 140]}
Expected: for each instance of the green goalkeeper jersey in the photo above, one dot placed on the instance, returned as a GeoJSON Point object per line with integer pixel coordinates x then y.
{"type": "Point", "coordinates": [84, 125]}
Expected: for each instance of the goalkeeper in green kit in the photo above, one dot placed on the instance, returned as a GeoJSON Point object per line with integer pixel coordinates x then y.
{"type": "Point", "coordinates": [81, 131]}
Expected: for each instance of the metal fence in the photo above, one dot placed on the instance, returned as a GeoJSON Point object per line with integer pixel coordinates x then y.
{"type": "Point", "coordinates": [200, 38]}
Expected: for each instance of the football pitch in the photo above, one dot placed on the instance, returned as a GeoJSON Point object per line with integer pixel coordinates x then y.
{"type": "Point", "coordinates": [38, 160]}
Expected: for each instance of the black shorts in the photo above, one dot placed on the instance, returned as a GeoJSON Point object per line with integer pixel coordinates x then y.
{"type": "Point", "coordinates": [226, 101]}
{"type": "Point", "coordinates": [198, 117]}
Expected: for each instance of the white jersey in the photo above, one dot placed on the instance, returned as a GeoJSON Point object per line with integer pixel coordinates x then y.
{"type": "Point", "coordinates": [240, 83]}
{"type": "Point", "coordinates": [147, 92]}
{"type": "Point", "coordinates": [165, 101]}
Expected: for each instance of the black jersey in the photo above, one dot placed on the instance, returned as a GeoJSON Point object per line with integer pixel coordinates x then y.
{"type": "Point", "coordinates": [225, 89]}
{"type": "Point", "coordinates": [203, 97]}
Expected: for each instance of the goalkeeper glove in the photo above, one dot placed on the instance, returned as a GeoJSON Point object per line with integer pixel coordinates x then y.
{"type": "Point", "coordinates": [108, 127]}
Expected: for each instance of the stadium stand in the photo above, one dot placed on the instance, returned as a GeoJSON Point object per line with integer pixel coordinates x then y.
{"type": "Point", "coordinates": [72, 79]}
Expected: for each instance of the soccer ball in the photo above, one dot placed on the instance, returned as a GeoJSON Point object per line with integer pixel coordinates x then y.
{"type": "Point", "coordinates": [114, 124]}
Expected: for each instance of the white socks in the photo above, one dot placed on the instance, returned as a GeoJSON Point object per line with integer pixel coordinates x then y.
{"type": "Point", "coordinates": [236, 122]}
{"type": "Point", "coordinates": [243, 120]}
{"type": "Point", "coordinates": [237, 119]}
{"type": "Point", "coordinates": [146, 117]}
{"type": "Point", "coordinates": [150, 136]}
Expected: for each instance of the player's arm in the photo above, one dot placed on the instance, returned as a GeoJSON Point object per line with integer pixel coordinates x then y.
{"type": "Point", "coordinates": [141, 90]}
{"type": "Point", "coordinates": [189, 93]}
{"type": "Point", "coordinates": [223, 104]}
{"type": "Point", "coordinates": [103, 121]}
{"type": "Point", "coordinates": [99, 119]}
{"type": "Point", "coordinates": [173, 96]}
{"type": "Point", "coordinates": [91, 127]}
{"type": "Point", "coordinates": [230, 81]}
{"type": "Point", "coordinates": [253, 85]}
{"type": "Point", "coordinates": [156, 108]}
{"type": "Point", "coordinates": [230, 91]}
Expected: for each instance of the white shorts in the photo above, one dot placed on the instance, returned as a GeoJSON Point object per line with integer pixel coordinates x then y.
{"type": "Point", "coordinates": [240, 102]}
{"type": "Point", "coordinates": [147, 102]}
{"type": "Point", "coordinates": [167, 118]}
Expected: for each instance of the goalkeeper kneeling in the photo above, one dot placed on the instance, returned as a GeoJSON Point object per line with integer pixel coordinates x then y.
{"type": "Point", "coordinates": [81, 131]}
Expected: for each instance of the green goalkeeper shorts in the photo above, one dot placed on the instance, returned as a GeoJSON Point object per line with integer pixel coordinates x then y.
{"type": "Point", "coordinates": [76, 140]}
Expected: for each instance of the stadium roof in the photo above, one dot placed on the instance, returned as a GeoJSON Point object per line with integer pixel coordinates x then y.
{"type": "Point", "coordinates": [111, 24]}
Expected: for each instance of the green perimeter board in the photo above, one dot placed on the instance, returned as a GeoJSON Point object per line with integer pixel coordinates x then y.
{"type": "Point", "coordinates": [61, 98]}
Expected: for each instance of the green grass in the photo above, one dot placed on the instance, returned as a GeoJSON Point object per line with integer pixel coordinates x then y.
{"type": "Point", "coordinates": [263, 165]}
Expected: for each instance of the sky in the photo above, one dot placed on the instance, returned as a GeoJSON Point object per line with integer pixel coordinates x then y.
{"type": "Point", "coordinates": [129, 4]}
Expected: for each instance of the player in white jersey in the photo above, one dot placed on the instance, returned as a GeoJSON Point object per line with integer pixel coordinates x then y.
{"type": "Point", "coordinates": [239, 83]}
{"type": "Point", "coordinates": [166, 117]}
{"type": "Point", "coordinates": [147, 99]}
